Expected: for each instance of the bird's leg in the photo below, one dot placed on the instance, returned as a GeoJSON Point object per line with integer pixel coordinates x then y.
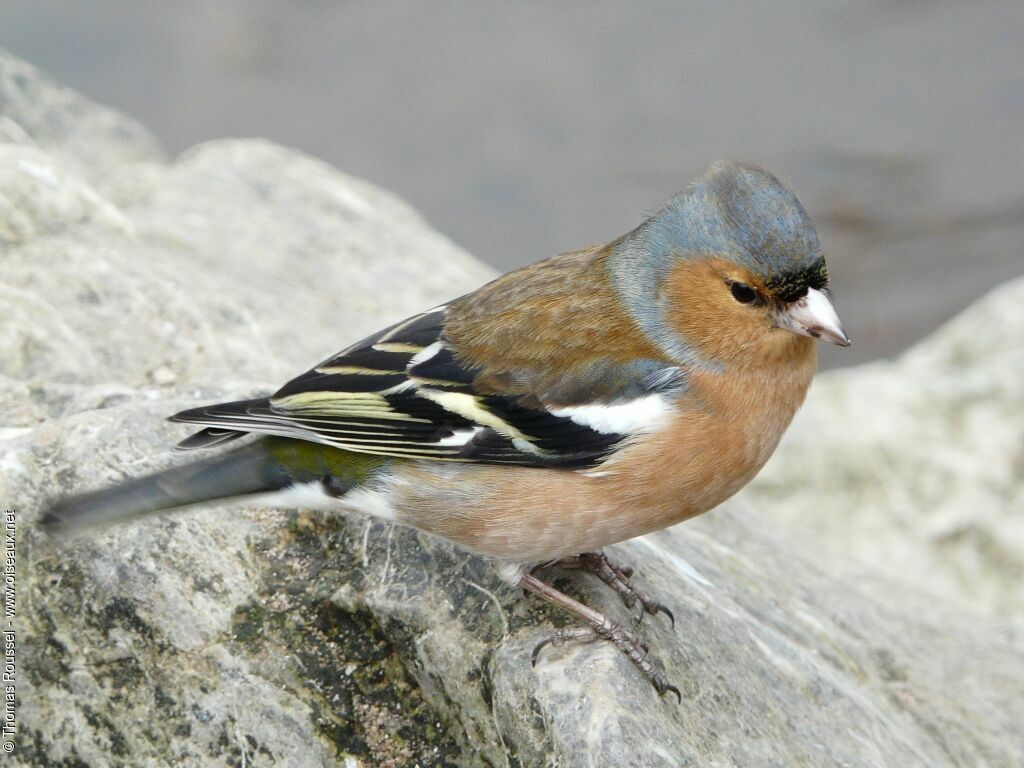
{"type": "Point", "coordinates": [618, 578]}
{"type": "Point", "coordinates": [598, 627]}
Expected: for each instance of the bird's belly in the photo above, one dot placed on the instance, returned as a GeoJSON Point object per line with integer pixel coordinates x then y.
{"type": "Point", "coordinates": [532, 515]}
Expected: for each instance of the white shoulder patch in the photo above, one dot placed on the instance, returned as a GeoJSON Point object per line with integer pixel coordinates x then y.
{"type": "Point", "coordinates": [641, 415]}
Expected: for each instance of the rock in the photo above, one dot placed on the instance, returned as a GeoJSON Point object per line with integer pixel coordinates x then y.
{"type": "Point", "coordinates": [36, 111]}
{"type": "Point", "coordinates": [247, 636]}
{"type": "Point", "coordinates": [922, 477]}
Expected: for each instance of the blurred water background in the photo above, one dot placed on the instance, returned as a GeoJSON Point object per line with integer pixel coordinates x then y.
{"type": "Point", "coordinates": [522, 130]}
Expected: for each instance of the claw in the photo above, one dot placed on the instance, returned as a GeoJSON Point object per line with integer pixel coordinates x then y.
{"type": "Point", "coordinates": [598, 626]}
{"type": "Point", "coordinates": [559, 636]}
{"type": "Point", "coordinates": [538, 648]}
{"type": "Point", "coordinates": [653, 608]}
{"type": "Point", "coordinates": [618, 578]}
{"type": "Point", "coordinates": [671, 618]}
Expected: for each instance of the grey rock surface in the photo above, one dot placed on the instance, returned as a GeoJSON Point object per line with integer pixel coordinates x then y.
{"type": "Point", "coordinates": [246, 636]}
{"type": "Point", "coordinates": [923, 474]}
{"type": "Point", "coordinates": [36, 111]}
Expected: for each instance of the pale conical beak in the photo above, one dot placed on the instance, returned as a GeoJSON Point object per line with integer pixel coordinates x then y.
{"type": "Point", "coordinates": [814, 316]}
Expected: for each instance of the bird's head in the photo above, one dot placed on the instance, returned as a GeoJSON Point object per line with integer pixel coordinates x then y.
{"type": "Point", "coordinates": [730, 269]}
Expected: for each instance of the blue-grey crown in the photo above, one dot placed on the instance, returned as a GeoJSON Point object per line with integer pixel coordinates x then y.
{"type": "Point", "coordinates": [738, 212]}
{"type": "Point", "coordinates": [745, 214]}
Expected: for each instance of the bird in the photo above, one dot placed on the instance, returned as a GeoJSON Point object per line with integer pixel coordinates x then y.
{"type": "Point", "coordinates": [579, 401]}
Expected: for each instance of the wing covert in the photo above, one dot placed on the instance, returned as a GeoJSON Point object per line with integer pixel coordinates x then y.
{"type": "Point", "coordinates": [404, 392]}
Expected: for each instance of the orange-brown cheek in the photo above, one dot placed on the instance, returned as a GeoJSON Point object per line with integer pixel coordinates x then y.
{"type": "Point", "coordinates": [700, 308]}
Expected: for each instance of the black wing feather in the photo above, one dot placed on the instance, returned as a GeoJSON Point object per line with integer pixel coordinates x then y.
{"type": "Point", "coordinates": [403, 392]}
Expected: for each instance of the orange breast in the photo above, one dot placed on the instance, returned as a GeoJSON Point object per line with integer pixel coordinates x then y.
{"type": "Point", "coordinates": [727, 427]}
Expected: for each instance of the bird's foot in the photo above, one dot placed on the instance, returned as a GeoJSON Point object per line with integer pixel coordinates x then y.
{"type": "Point", "coordinates": [618, 577]}
{"type": "Point", "coordinates": [598, 627]}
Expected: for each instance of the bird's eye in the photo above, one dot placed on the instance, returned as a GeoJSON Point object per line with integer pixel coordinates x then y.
{"type": "Point", "coordinates": [743, 293]}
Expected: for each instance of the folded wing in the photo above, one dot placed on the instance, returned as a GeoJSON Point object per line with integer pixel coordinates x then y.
{"type": "Point", "coordinates": [405, 392]}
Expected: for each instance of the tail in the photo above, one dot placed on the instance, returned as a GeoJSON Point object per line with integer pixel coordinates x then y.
{"type": "Point", "coordinates": [268, 464]}
{"type": "Point", "coordinates": [250, 469]}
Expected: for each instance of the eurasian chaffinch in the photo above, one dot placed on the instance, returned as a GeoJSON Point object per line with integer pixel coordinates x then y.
{"type": "Point", "coordinates": [577, 402]}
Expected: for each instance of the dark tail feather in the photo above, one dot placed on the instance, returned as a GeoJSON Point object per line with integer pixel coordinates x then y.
{"type": "Point", "coordinates": [208, 438]}
{"type": "Point", "coordinates": [246, 470]}
{"type": "Point", "coordinates": [218, 420]}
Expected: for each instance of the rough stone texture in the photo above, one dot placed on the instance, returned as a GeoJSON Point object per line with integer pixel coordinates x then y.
{"type": "Point", "coordinates": [924, 465]}
{"type": "Point", "coordinates": [252, 637]}
{"type": "Point", "coordinates": [35, 110]}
